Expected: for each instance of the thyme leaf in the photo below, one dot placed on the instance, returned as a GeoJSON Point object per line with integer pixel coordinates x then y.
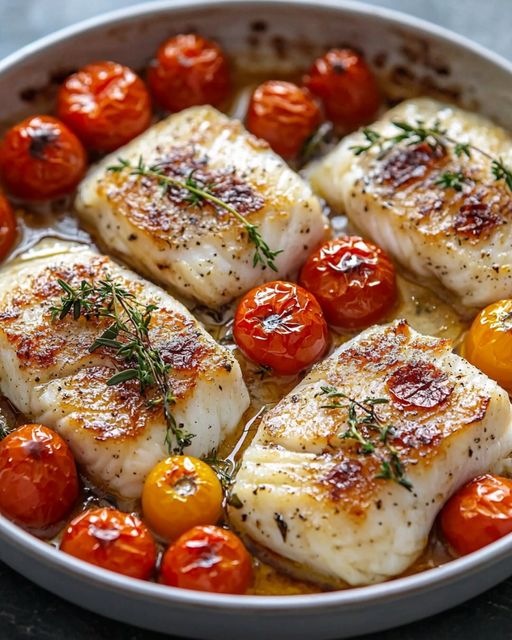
{"type": "Point", "coordinates": [226, 470]}
{"type": "Point", "coordinates": [501, 172]}
{"type": "Point", "coordinates": [128, 338]}
{"type": "Point", "coordinates": [317, 143]}
{"type": "Point", "coordinates": [452, 180]}
{"type": "Point", "coordinates": [199, 193]}
{"type": "Point", "coordinates": [362, 415]}
{"type": "Point", "coordinates": [436, 137]}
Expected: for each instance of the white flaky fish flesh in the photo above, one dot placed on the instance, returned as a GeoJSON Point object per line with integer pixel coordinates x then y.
{"type": "Point", "coordinates": [48, 372]}
{"type": "Point", "coordinates": [198, 249]}
{"type": "Point", "coordinates": [347, 473]}
{"type": "Point", "coordinates": [441, 214]}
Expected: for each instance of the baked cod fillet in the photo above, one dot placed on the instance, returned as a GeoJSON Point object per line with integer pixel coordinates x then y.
{"type": "Point", "coordinates": [49, 374]}
{"type": "Point", "coordinates": [456, 240]}
{"type": "Point", "coordinates": [345, 493]}
{"type": "Point", "coordinates": [199, 250]}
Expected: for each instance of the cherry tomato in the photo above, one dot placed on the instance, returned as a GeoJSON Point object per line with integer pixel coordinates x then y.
{"type": "Point", "coordinates": [106, 104]}
{"type": "Point", "coordinates": [353, 280]}
{"type": "Point", "coordinates": [180, 493]}
{"type": "Point", "coordinates": [347, 87]}
{"type": "Point", "coordinates": [488, 343]}
{"type": "Point", "coordinates": [40, 158]}
{"type": "Point", "coordinates": [189, 70]}
{"type": "Point", "coordinates": [112, 540]}
{"type": "Point", "coordinates": [7, 227]}
{"type": "Point", "coordinates": [284, 115]}
{"type": "Point", "coordinates": [478, 514]}
{"type": "Point", "coordinates": [280, 325]}
{"type": "Point", "coordinates": [38, 477]}
{"type": "Point", "coordinates": [207, 559]}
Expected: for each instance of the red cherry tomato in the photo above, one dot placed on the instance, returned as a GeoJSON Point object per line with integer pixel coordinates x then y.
{"type": "Point", "coordinates": [38, 478]}
{"type": "Point", "coordinates": [347, 87]}
{"type": "Point", "coordinates": [207, 558]}
{"type": "Point", "coordinates": [106, 104]}
{"type": "Point", "coordinates": [189, 70]}
{"type": "Point", "coordinates": [112, 540]}
{"type": "Point", "coordinates": [353, 280]}
{"type": "Point", "coordinates": [284, 115]}
{"type": "Point", "coordinates": [478, 514]}
{"type": "Point", "coordinates": [280, 325]}
{"type": "Point", "coordinates": [7, 227]}
{"type": "Point", "coordinates": [40, 158]}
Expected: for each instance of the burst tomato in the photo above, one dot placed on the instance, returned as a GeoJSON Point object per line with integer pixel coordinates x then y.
{"type": "Point", "coordinates": [284, 115]}
{"type": "Point", "coordinates": [478, 514]}
{"type": "Point", "coordinates": [353, 280]}
{"type": "Point", "coordinates": [7, 227]}
{"type": "Point", "coordinates": [207, 559]}
{"type": "Point", "coordinates": [189, 70]}
{"type": "Point", "coordinates": [488, 343]}
{"type": "Point", "coordinates": [112, 540]}
{"type": "Point", "coordinates": [38, 477]}
{"type": "Point", "coordinates": [106, 104]}
{"type": "Point", "coordinates": [347, 87]}
{"type": "Point", "coordinates": [40, 159]}
{"type": "Point", "coordinates": [280, 325]}
{"type": "Point", "coordinates": [180, 493]}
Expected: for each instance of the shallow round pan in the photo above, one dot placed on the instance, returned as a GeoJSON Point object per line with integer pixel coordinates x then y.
{"type": "Point", "coordinates": [287, 35]}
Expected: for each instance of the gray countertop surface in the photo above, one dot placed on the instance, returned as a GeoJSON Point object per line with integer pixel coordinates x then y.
{"type": "Point", "coordinates": [26, 611]}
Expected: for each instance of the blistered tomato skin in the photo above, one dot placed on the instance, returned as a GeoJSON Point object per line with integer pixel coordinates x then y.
{"type": "Point", "coordinates": [281, 326]}
{"type": "Point", "coordinates": [112, 540]}
{"type": "Point", "coordinates": [41, 159]}
{"type": "Point", "coordinates": [38, 477]}
{"type": "Point", "coordinates": [189, 70]}
{"type": "Point", "coordinates": [106, 104]}
{"type": "Point", "coordinates": [419, 384]}
{"type": "Point", "coordinates": [347, 87]}
{"type": "Point", "coordinates": [7, 227]}
{"type": "Point", "coordinates": [478, 514]}
{"type": "Point", "coordinates": [488, 343]}
{"type": "Point", "coordinates": [207, 559]}
{"type": "Point", "coordinates": [180, 493]}
{"type": "Point", "coordinates": [353, 280]}
{"type": "Point", "coordinates": [284, 115]}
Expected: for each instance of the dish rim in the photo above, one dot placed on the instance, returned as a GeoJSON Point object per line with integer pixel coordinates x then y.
{"type": "Point", "coordinates": [351, 597]}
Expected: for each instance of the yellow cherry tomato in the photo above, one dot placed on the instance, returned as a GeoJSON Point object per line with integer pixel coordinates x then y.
{"type": "Point", "coordinates": [180, 493]}
{"type": "Point", "coordinates": [488, 344]}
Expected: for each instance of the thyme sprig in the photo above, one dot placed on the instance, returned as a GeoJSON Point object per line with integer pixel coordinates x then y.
{"type": "Point", "coordinates": [199, 194]}
{"type": "Point", "coordinates": [127, 337]}
{"type": "Point", "coordinates": [226, 470]}
{"type": "Point", "coordinates": [363, 415]}
{"type": "Point", "coordinates": [436, 137]}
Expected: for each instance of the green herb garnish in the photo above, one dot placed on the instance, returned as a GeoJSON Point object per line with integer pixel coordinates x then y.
{"type": "Point", "coordinates": [362, 415]}
{"type": "Point", "coordinates": [226, 470]}
{"type": "Point", "coordinates": [436, 138]}
{"type": "Point", "coordinates": [452, 180]}
{"type": "Point", "coordinates": [199, 194]}
{"type": "Point", "coordinates": [127, 337]}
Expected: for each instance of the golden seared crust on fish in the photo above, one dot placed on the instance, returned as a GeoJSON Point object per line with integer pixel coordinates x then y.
{"type": "Point", "coordinates": [199, 249]}
{"type": "Point", "coordinates": [49, 373]}
{"type": "Point", "coordinates": [353, 502]}
{"type": "Point", "coordinates": [454, 239]}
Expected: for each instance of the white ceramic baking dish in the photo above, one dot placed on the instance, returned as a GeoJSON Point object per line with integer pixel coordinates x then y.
{"type": "Point", "coordinates": [264, 34]}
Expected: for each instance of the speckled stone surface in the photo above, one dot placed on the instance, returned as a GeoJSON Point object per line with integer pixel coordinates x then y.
{"type": "Point", "coordinates": [26, 611]}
